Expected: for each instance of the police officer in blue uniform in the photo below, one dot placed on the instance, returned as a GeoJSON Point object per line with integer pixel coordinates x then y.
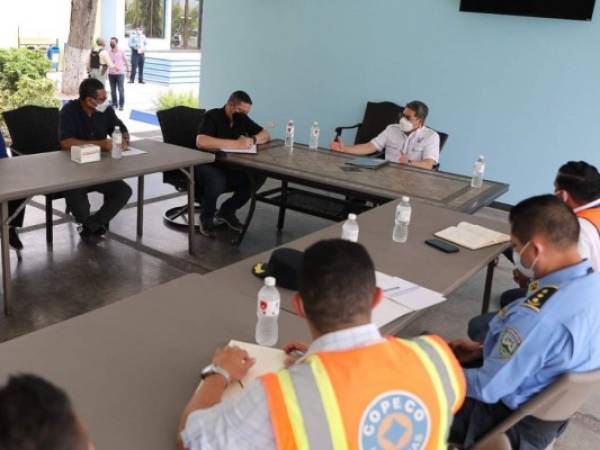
{"type": "Point", "coordinates": [531, 342]}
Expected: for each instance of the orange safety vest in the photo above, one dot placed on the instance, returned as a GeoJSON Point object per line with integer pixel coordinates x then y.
{"type": "Point", "coordinates": [397, 394]}
{"type": "Point", "coordinates": [591, 214]}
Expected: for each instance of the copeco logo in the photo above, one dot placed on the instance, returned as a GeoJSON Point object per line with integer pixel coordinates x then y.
{"type": "Point", "coordinates": [395, 420]}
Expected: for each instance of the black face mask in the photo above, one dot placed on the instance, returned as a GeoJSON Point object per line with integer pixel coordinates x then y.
{"type": "Point", "coordinates": [113, 45]}
{"type": "Point", "coordinates": [237, 117]}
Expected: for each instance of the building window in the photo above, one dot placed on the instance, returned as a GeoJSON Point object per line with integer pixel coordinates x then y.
{"type": "Point", "coordinates": [149, 14]}
{"type": "Point", "coordinates": [186, 18]}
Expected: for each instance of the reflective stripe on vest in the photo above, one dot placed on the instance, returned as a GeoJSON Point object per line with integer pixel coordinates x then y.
{"type": "Point", "coordinates": [436, 362]}
{"type": "Point", "coordinates": [304, 407]}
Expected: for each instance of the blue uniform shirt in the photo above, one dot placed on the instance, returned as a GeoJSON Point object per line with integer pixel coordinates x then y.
{"type": "Point", "coordinates": [536, 339]}
{"type": "Point", "coordinates": [3, 153]}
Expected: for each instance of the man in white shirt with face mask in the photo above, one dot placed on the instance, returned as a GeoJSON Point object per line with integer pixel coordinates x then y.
{"type": "Point", "coordinates": [408, 142]}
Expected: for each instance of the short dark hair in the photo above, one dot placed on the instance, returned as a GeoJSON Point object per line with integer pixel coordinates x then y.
{"type": "Point", "coordinates": [239, 97]}
{"type": "Point", "coordinates": [36, 415]}
{"type": "Point", "coordinates": [580, 179]}
{"type": "Point", "coordinates": [337, 282]}
{"type": "Point", "coordinates": [116, 39]}
{"type": "Point", "coordinates": [546, 215]}
{"type": "Point", "coordinates": [421, 109]}
{"type": "Point", "coordinates": [89, 88]}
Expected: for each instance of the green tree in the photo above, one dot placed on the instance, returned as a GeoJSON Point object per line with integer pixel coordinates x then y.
{"type": "Point", "coordinates": [23, 80]}
{"type": "Point", "coordinates": [188, 29]}
{"type": "Point", "coordinates": [148, 14]}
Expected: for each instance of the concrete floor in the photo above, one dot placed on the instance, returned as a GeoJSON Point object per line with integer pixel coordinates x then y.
{"type": "Point", "coordinates": [52, 284]}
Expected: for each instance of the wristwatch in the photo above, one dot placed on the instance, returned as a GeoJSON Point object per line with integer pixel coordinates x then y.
{"type": "Point", "coordinates": [212, 370]}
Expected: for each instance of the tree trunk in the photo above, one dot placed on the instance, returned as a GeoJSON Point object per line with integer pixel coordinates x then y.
{"type": "Point", "coordinates": [81, 33]}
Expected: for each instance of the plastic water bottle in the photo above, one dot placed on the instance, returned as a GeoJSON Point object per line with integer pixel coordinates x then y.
{"type": "Point", "coordinates": [267, 329]}
{"type": "Point", "coordinates": [402, 220]}
{"type": "Point", "coordinates": [350, 229]}
{"type": "Point", "coordinates": [315, 131]}
{"type": "Point", "coordinates": [117, 142]}
{"type": "Point", "coordinates": [478, 171]}
{"type": "Point", "coordinates": [290, 130]}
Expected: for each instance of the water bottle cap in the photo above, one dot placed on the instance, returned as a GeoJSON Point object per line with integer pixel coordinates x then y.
{"type": "Point", "coordinates": [352, 216]}
{"type": "Point", "coordinates": [481, 157]}
{"type": "Point", "coordinates": [405, 198]}
{"type": "Point", "coordinates": [270, 281]}
{"type": "Point", "coordinates": [315, 124]}
{"type": "Point", "coordinates": [290, 122]}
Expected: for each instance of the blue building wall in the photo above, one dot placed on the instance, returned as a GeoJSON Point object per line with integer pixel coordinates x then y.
{"type": "Point", "coordinates": [525, 92]}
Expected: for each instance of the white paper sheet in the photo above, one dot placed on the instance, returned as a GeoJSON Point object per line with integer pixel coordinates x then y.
{"type": "Point", "coordinates": [388, 311]}
{"type": "Point", "coordinates": [411, 296]}
{"type": "Point", "coordinates": [419, 298]}
{"type": "Point", "coordinates": [392, 285]}
{"type": "Point", "coordinates": [132, 151]}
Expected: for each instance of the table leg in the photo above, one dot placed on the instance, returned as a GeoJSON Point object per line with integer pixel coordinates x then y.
{"type": "Point", "coordinates": [6, 285]}
{"type": "Point", "coordinates": [191, 211]}
{"type": "Point", "coordinates": [282, 205]}
{"type": "Point", "coordinates": [487, 290]}
{"type": "Point", "coordinates": [140, 206]}
{"type": "Point", "coordinates": [253, 189]}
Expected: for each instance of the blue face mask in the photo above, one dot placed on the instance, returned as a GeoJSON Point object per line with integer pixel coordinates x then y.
{"type": "Point", "coordinates": [527, 271]}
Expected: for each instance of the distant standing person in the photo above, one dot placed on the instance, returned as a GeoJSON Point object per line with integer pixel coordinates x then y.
{"type": "Point", "coordinates": [116, 75]}
{"type": "Point", "coordinates": [99, 62]}
{"type": "Point", "coordinates": [137, 44]}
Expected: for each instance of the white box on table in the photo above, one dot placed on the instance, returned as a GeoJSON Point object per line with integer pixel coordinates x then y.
{"type": "Point", "coordinates": [85, 153]}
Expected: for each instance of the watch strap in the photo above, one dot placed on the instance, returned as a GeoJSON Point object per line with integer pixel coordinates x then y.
{"type": "Point", "coordinates": [213, 369]}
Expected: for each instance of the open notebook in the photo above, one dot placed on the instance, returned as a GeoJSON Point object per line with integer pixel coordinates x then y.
{"type": "Point", "coordinates": [267, 360]}
{"type": "Point", "coordinates": [472, 236]}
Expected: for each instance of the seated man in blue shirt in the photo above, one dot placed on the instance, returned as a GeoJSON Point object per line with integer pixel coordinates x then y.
{"type": "Point", "coordinates": [533, 341]}
{"type": "Point", "coordinates": [90, 120]}
{"type": "Point", "coordinates": [13, 236]}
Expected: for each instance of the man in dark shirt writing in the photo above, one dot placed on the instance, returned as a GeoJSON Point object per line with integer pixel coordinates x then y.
{"type": "Point", "coordinates": [90, 120]}
{"type": "Point", "coordinates": [228, 127]}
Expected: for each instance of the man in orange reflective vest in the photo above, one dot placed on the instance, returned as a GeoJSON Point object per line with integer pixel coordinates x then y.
{"type": "Point", "coordinates": [353, 389]}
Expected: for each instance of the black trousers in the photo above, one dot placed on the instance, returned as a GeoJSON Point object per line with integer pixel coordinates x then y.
{"type": "Point", "coordinates": [116, 194]}
{"type": "Point", "coordinates": [137, 65]}
{"type": "Point", "coordinates": [12, 207]}
{"type": "Point", "coordinates": [475, 419]}
{"type": "Point", "coordinates": [213, 180]}
{"type": "Point", "coordinates": [117, 84]}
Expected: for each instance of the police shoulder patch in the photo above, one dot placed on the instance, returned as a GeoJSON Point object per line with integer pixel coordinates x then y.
{"type": "Point", "coordinates": [540, 297]}
{"type": "Point", "coordinates": [509, 342]}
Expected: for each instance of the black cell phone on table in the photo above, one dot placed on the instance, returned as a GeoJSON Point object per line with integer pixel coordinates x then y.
{"type": "Point", "coordinates": [443, 246]}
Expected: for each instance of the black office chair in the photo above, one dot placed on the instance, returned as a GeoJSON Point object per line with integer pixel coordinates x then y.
{"type": "Point", "coordinates": [34, 129]}
{"type": "Point", "coordinates": [179, 126]}
{"type": "Point", "coordinates": [378, 115]}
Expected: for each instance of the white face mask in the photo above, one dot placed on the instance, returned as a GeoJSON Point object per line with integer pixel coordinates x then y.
{"type": "Point", "coordinates": [527, 271]}
{"type": "Point", "coordinates": [406, 125]}
{"type": "Point", "coordinates": [102, 106]}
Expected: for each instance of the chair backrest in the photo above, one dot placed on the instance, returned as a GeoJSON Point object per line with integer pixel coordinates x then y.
{"type": "Point", "coordinates": [557, 402]}
{"type": "Point", "coordinates": [377, 117]}
{"type": "Point", "coordinates": [443, 139]}
{"type": "Point", "coordinates": [179, 125]}
{"type": "Point", "coordinates": [33, 129]}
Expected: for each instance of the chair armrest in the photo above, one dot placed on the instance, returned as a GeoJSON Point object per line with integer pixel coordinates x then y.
{"type": "Point", "coordinates": [338, 130]}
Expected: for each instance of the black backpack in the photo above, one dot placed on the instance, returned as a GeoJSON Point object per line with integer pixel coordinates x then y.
{"type": "Point", "coordinates": [95, 59]}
